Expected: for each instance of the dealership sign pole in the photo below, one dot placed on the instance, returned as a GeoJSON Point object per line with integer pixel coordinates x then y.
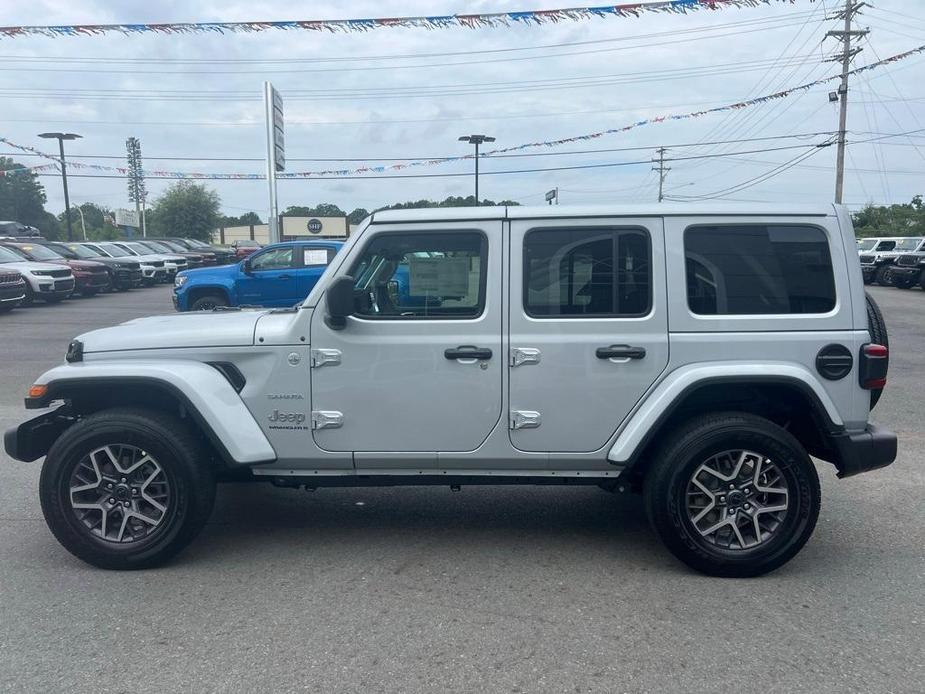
{"type": "Point", "coordinates": [276, 152]}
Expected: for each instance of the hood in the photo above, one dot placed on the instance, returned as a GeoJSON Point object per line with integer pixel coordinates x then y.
{"type": "Point", "coordinates": [33, 266]}
{"type": "Point", "coordinates": [200, 329]}
{"type": "Point", "coordinates": [86, 265]}
{"type": "Point", "coordinates": [213, 272]}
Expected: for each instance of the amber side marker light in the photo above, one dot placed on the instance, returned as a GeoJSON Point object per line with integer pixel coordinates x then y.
{"type": "Point", "coordinates": [38, 391]}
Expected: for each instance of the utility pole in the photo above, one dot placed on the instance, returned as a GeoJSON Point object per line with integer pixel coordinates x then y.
{"type": "Point", "coordinates": [662, 171]}
{"type": "Point", "coordinates": [61, 137]}
{"type": "Point", "coordinates": [852, 7]}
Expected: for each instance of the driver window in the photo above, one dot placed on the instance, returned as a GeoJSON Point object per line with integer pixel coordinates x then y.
{"type": "Point", "coordinates": [274, 259]}
{"type": "Point", "coordinates": [421, 275]}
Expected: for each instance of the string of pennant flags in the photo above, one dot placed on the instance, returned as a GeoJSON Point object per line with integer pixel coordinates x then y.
{"type": "Point", "coordinates": [156, 173]}
{"type": "Point", "coordinates": [465, 21]}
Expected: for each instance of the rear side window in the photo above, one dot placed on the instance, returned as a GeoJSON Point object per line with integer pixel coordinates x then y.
{"type": "Point", "coordinates": [604, 273]}
{"type": "Point", "coordinates": [758, 269]}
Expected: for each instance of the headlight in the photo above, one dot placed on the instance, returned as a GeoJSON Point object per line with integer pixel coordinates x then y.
{"type": "Point", "coordinates": [179, 281]}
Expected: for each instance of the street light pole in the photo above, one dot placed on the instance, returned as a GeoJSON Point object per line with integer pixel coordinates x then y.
{"type": "Point", "coordinates": [83, 224]}
{"type": "Point", "coordinates": [476, 140]}
{"type": "Point", "coordinates": [61, 137]}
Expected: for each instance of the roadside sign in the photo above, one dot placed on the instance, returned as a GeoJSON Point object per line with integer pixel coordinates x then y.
{"type": "Point", "coordinates": [127, 218]}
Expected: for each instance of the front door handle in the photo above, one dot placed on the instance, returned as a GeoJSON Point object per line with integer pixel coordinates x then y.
{"type": "Point", "coordinates": [467, 352]}
{"type": "Point", "coordinates": [620, 352]}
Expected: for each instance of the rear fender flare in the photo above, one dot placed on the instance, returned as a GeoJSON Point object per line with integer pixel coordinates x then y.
{"type": "Point", "coordinates": [668, 394]}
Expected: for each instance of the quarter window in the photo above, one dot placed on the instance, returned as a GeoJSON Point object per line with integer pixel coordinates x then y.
{"type": "Point", "coordinates": [421, 275]}
{"type": "Point", "coordinates": [758, 269]}
{"type": "Point", "coordinates": [587, 273]}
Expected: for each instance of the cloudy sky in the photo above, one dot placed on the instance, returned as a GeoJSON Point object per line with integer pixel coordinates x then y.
{"type": "Point", "coordinates": [195, 101]}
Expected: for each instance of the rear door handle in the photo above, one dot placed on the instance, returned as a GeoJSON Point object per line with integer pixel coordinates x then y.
{"type": "Point", "coordinates": [620, 352]}
{"type": "Point", "coordinates": [467, 352]}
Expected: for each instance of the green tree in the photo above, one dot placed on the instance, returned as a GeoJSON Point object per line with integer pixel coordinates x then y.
{"type": "Point", "coordinates": [324, 209]}
{"type": "Point", "coordinates": [185, 209]}
{"type": "Point", "coordinates": [906, 219]}
{"type": "Point", "coordinates": [245, 219]}
{"type": "Point", "coordinates": [22, 199]}
{"type": "Point", "coordinates": [357, 216]}
{"type": "Point", "coordinates": [98, 220]}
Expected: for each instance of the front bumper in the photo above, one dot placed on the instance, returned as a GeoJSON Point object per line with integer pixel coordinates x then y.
{"type": "Point", "coordinates": [870, 449]}
{"type": "Point", "coordinates": [908, 273]}
{"type": "Point", "coordinates": [12, 293]}
{"type": "Point", "coordinates": [92, 281]}
{"type": "Point", "coordinates": [32, 439]}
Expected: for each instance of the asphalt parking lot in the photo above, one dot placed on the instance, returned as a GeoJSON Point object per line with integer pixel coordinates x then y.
{"type": "Point", "coordinates": [489, 589]}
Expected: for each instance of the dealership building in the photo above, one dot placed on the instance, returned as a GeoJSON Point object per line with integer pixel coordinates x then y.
{"type": "Point", "coordinates": [291, 229]}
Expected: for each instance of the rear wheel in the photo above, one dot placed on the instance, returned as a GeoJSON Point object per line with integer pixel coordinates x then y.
{"type": "Point", "coordinates": [732, 495]}
{"type": "Point", "coordinates": [208, 302]}
{"type": "Point", "coordinates": [876, 325]}
{"type": "Point", "coordinates": [903, 283]}
{"type": "Point", "coordinates": [126, 488]}
{"type": "Point", "coordinates": [29, 299]}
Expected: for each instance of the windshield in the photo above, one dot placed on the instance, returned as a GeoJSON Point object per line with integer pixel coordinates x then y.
{"type": "Point", "coordinates": [908, 244]}
{"type": "Point", "coordinates": [866, 244]}
{"type": "Point", "coordinates": [114, 250]}
{"type": "Point", "coordinates": [8, 256]}
{"type": "Point", "coordinates": [155, 246]}
{"type": "Point", "coordinates": [84, 251]}
{"type": "Point", "coordinates": [175, 247]}
{"type": "Point", "coordinates": [137, 247]}
{"type": "Point", "coordinates": [39, 253]}
{"type": "Point", "coordinates": [195, 243]}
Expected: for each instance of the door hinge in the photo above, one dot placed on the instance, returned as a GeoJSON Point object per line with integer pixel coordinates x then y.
{"type": "Point", "coordinates": [524, 355]}
{"type": "Point", "coordinates": [525, 419]}
{"type": "Point", "coordinates": [320, 357]}
{"type": "Point", "coordinates": [327, 419]}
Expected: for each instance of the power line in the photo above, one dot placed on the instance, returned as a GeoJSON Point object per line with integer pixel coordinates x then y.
{"type": "Point", "coordinates": [486, 156]}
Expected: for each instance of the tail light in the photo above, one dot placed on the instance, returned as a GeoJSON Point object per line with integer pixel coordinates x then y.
{"type": "Point", "coordinates": [873, 366]}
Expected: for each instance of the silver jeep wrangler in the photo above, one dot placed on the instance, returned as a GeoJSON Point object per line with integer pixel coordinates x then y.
{"type": "Point", "coordinates": [698, 355]}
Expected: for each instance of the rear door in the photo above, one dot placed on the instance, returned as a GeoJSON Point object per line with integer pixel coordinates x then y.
{"type": "Point", "coordinates": [271, 279]}
{"type": "Point", "coordinates": [588, 326]}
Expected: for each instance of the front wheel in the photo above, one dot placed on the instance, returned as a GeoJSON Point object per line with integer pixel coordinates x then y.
{"type": "Point", "coordinates": [208, 302]}
{"type": "Point", "coordinates": [884, 276]}
{"type": "Point", "coordinates": [126, 488]}
{"type": "Point", "coordinates": [732, 495]}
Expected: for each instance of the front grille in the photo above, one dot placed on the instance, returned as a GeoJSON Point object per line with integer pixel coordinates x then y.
{"type": "Point", "coordinates": [867, 259]}
{"type": "Point", "coordinates": [58, 273]}
{"type": "Point", "coordinates": [157, 263]}
{"type": "Point", "coordinates": [909, 260]}
{"type": "Point", "coordinates": [64, 285]}
{"type": "Point", "coordinates": [10, 278]}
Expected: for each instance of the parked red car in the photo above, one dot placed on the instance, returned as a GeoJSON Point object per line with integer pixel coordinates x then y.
{"type": "Point", "coordinates": [90, 277]}
{"type": "Point", "coordinates": [244, 248]}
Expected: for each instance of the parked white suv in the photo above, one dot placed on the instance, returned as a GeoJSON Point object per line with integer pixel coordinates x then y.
{"type": "Point", "coordinates": [152, 271]}
{"type": "Point", "coordinates": [699, 355]}
{"type": "Point", "coordinates": [47, 282]}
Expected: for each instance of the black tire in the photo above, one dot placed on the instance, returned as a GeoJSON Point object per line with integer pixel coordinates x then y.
{"type": "Point", "coordinates": [922, 280]}
{"type": "Point", "coordinates": [172, 444]}
{"type": "Point", "coordinates": [884, 276]}
{"type": "Point", "coordinates": [903, 283]}
{"type": "Point", "coordinates": [208, 302]}
{"type": "Point", "coordinates": [93, 291]}
{"type": "Point", "coordinates": [676, 462]}
{"type": "Point", "coordinates": [876, 325]}
{"type": "Point", "coordinates": [29, 299]}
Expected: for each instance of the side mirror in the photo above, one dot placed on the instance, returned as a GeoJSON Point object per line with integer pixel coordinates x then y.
{"type": "Point", "coordinates": [246, 267]}
{"type": "Point", "coordinates": [339, 299]}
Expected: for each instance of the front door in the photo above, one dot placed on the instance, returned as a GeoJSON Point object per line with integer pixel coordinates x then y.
{"type": "Point", "coordinates": [589, 328]}
{"type": "Point", "coordinates": [419, 366]}
{"type": "Point", "coordinates": [271, 279]}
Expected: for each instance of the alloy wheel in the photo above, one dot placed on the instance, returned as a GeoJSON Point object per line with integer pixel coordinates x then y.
{"type": "Point", "coordinates": [737, 500]}
{"type": "Point", "coordinates": [119, 493]}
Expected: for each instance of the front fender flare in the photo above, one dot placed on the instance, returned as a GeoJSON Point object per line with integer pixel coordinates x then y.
{"type": "Point", "coordinates": [205, 392]}
{"type": "Point", "coordinates": [672, 389]}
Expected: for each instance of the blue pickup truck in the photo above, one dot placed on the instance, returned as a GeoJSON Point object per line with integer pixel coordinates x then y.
{"type": "Point", "coordinates": [278, 275]}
